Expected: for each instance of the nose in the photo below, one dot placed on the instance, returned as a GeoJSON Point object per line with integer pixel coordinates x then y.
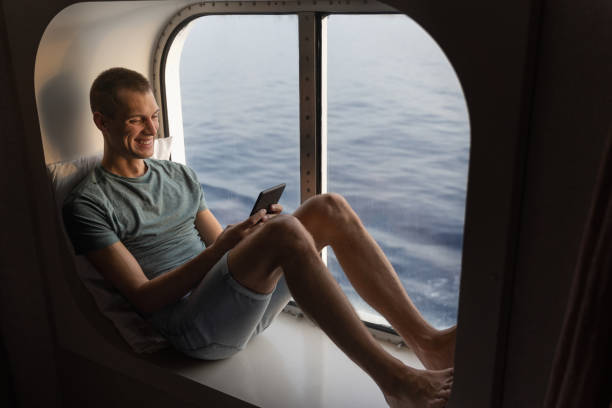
{"type": "Point", "coordinates": [150, 126]}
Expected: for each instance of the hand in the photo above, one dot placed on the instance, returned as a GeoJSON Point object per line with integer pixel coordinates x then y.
{"type": "Point", "coordinates": [233, 234]}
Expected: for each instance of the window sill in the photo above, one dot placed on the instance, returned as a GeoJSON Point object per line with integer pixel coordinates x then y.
{"type": "Point", "coordinates": [293, 364]}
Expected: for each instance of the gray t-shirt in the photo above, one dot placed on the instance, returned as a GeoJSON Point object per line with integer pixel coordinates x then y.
{"type": "Point", "coordinates": [152, 215]}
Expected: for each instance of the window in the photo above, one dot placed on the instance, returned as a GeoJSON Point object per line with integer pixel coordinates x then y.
{"type": "Point", "coordinates": [398, 145]}
{"type": "Point", "coordinates": [239, 87]}
{"type": "Point", "coordinates": [394, 129]}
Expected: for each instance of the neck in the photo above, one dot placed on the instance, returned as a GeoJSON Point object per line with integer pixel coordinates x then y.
{"type": "Point", "coordinates": [124, 167]}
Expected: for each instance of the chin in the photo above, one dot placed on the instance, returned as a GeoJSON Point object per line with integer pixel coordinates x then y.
{"type": "Point", "coordinates": [143, 153]}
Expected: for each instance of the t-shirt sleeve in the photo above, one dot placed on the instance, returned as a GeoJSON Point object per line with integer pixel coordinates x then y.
{"type": "Point", "coordinates": [87, 226]}
{"type": "Point", "coordinates": [194, 179]}
{"type": "Point", "coordinates": [203, 206]}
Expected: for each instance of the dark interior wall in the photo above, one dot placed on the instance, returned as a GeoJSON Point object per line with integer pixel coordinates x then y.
{"type": "Point", "coordinates": [571, 118]}
{"type": "Point", "coordinates": [24, 317]}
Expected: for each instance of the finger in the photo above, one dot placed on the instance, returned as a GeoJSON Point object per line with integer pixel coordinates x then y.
{"type": "Point", "coordinates": [275, 208]}
{"type": "Point", "coordinates": [256, 226]}
{"type": "Point", "coordinates": [268, 217]}
{"type": "Point", "coordinates": [255, 218]}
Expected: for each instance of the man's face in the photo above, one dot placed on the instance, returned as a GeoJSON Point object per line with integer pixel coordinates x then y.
{"type": "Point", "coordinates": [133, 129]}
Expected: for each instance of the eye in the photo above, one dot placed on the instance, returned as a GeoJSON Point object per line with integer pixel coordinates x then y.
{"type": "Point", "coordinates": [135, 121]}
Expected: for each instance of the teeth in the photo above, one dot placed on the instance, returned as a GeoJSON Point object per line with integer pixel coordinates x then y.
{"type": "Point", "coordinates": [144, 142]}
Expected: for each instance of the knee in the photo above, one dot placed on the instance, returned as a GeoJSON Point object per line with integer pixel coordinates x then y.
{"type": "Point", "coordinates": [288, 234]}
{"type": "Point", "coordinates": [332, 206]}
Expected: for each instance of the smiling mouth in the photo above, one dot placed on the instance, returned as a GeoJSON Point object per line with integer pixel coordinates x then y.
{"type": "Point", "coordinates": [145, 142]}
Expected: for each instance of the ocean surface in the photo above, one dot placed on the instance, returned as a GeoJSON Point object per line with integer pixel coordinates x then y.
{"type": "Point", "coordinates": [398, 136]}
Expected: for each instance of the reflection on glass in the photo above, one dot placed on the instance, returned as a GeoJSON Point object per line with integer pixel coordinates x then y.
{"type": "Point", "coordinates": [239, 87]}
{"type": "Point", "coordinates": [398, 145]}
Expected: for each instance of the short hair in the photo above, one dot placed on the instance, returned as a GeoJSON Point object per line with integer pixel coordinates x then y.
{"type": "Point", "coordinates": [104, 90]}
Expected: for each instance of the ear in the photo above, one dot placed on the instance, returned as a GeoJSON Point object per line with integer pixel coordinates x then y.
{"type": "Point", "coordinates": [100, 121]}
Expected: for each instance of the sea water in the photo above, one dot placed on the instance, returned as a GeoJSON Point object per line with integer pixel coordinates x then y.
{"type": "Point", "coordinates": [398, 136]}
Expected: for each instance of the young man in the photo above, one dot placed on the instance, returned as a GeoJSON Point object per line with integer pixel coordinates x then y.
{"type": "Point", "coordinates": [145, 226]}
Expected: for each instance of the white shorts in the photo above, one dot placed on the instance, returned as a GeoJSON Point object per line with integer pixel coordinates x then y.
{"type": "Point", "coordinates": [220, 315]}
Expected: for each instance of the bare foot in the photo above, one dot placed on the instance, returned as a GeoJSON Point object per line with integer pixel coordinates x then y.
{"type": "Point", "coordinates": [438, 353]}
{"type": "Point", "coordinates": [421, 389]}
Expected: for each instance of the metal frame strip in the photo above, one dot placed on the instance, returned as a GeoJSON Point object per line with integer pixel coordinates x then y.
{"type": "Point", "coordinates": [310, 107]}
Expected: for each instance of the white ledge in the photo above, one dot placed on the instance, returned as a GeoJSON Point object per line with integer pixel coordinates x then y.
{"type": "Point", "coordinates": [294, 364]}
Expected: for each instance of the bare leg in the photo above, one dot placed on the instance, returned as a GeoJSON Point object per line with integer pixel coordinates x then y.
{"type": "Point", "coordinates": [331, 221]}
{"type": "Point", "coordinates": [285, 242]}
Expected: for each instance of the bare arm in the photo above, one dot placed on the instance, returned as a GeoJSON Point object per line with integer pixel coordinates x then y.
{"type": "Point", "coordinates": [208, 227]}
{"type": "Point", "coordinates": [116, 264]}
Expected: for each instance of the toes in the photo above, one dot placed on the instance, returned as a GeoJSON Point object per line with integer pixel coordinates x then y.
{"type": "Point", "coordinates": [447, 372]}
{"type": "Point", "coordinates": [437, 403]}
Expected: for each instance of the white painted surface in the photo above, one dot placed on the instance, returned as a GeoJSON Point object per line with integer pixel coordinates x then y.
{"type": "Point", "coordinates": [80, 42]}
{"type": "Point", "coordinates": [294, 364]}
{"type": "Point", "coordinates": [173, 103]}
